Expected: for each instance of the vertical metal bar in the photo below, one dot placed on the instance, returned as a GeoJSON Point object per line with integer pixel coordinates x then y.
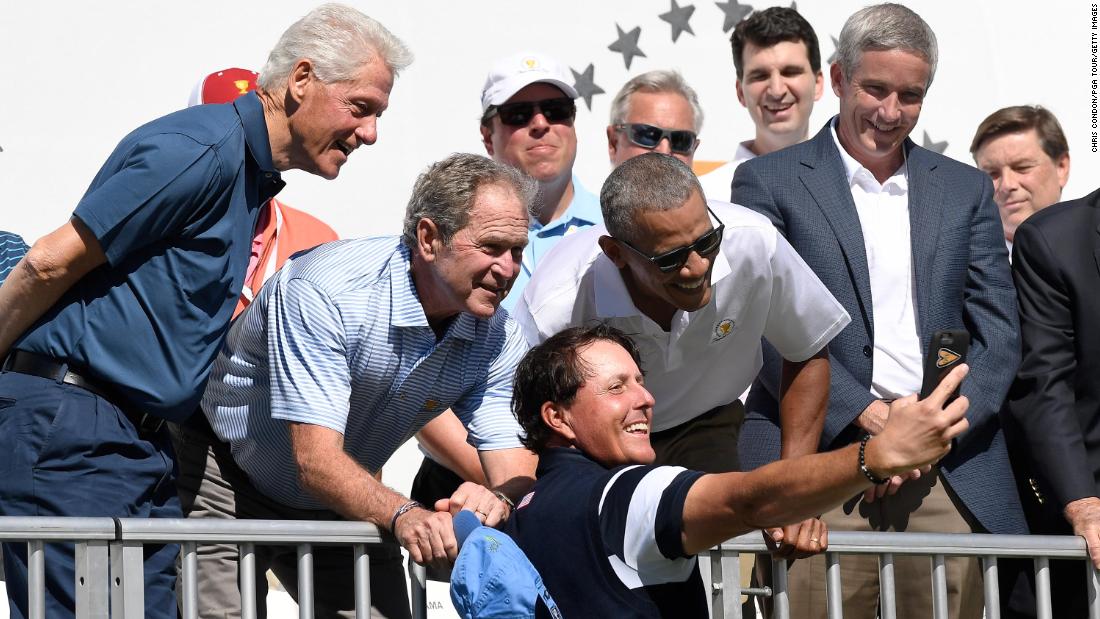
{"type": "Point", "coordinates": [834, 596]}
{"type": "Point", "coordinates": [1042, 588]}
{"type": "Point", "coordinates": [190, 582]}
{"type": "Point", "coordinates": [717, 587]}
{"type": "Point", "coordinates": [91, 576]}
{"type": "Point", "coordinates": [248, 580]}
{"type": "Point", "coordinates": [305, 581]}
{"type": "Point", "coordinates": [362, 581]}
{"type": "Point", "coordinates": [731, 585]}
{"type": "Point", "coordinates": [888, 602]}
{"type": "Point", "coordinates": [418, 578]}
{"type": "Point", "coordinates": [781, 606]}
{"type": "Point", "coordinates": [939, 587]}
{"type": "Point", "coordinates": [1093, 581]}
{"type": "Point", "coordinates": [127, 580]}
{"type": "Point", "coordinates": [992, 588]}
{"type": "Point", "coordinates": [36, 579]}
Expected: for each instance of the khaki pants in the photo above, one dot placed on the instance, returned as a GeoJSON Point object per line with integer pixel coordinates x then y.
{"type": "Point", "coordinates": [211, 485]}
{"type": "Point", "coordinates": [924, 505]}
{"type": "Point", "coordinates": [706, 443]}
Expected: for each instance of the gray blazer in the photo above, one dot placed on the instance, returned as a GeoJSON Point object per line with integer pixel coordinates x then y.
{"type": "Point", "coordinates": [962, 282]}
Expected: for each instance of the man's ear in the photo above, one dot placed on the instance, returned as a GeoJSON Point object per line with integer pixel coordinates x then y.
{"type": "Point", "coordinates": [819, 86]}
{"type": "Point", "coordinates": [1062, 167]}
{"type": "Point", "coordinates": [487, 138]}
{"type": "Point", "coordinates": [612, 143]}
{"type": "Point", "coordinates": [836, 76]}
{"type": "Point", "coordinates": [740, 93]}
{"type": "Point", "coordinates": [613, 250]}
{"type": "Point", "coordinates": [300, 79]}
{"type": "Point", "coordinates": [555, 418]}
{"type": "Point", "coordinates": [427, 239]}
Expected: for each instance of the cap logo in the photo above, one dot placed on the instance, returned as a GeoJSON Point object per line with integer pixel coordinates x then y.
{"type": "Point", "coordinates": [946, 357]}
{"type": "Point", "coordinates": [242, 86]}
{"type": "Point", "coordinates": [530, 63]}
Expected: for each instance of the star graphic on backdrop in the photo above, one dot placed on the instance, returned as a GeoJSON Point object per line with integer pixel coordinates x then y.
{"type": "Point", "coordinates": [627, 44]}
{"type": "Point", "coordinates": [836, 44]}
{"type": "Point", "coordinates": [734, 11]}
{"type": "Point", "coordinates": [585, 85]}
{"type": "Point", "coordinates": [936, 147]}
{"type": "Point", "coordinates": [794, 6]}
{"type": "Point", "coordinates": [678, 17]}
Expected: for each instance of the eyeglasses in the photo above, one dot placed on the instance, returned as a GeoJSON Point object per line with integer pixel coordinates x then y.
{"type": "Point", "coordinates": [556, 110]}
{"type": "Point", "coordinates": [647, 136]}
{"type": "Point", "coordinates": [674, 260]}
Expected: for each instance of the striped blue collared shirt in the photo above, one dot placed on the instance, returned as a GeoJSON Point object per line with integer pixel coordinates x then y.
{"type": "Point", "coordinates": [338, 338]}
{"type": "Point", "coordinates": [12, 250]}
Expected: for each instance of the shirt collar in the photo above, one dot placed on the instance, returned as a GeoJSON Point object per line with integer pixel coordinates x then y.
{"type": "Point", "coordinates": [251, 112]}
{"type": "Point", "coordinates": [584, 207]}
{"type": "Point", "coordinates": [406, 308]}
{"type": "Point", "coordinates": [858, 174]}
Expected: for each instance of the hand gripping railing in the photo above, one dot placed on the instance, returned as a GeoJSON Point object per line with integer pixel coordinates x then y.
{"type": "Point", "coordinates": [725, 568]}
{"type": "Point", "coordinates": [114, 546]}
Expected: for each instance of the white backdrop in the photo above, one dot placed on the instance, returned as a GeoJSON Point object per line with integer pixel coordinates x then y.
{"type": "Point", "coordinates": [83, 74]}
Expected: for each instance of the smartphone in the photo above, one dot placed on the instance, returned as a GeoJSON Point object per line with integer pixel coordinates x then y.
{"type": "Point", "coordinates": [946, 350]}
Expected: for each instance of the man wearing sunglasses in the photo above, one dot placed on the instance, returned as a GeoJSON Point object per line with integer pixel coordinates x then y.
{"type": "Point", "coordinates": [778, 64]}
{"type": "Point", "coordinates": [655, 111]}
{"type": "Point", "coordinates": [528, 109]}
{"type": "Point", "coordinates": [696, 284]}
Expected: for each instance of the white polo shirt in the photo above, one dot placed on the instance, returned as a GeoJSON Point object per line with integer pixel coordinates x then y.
{"type": "Point", "coordinates": [761, 287]}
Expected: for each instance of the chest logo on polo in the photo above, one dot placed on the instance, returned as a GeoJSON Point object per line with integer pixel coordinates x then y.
{"type": "Point", "coordinates": [430, 406]}
{"type": "Point", "coordinates": [946, 357]}
{"type": "Point", "coordinates": [526, 500]}
{"type": "Point", "coordinates": [722, 329]}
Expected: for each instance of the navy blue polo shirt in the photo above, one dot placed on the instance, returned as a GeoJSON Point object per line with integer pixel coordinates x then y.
{"type": "Point", "coordinates": [607, 542]}
{"type": "Point", "coordinates": [174, 209]}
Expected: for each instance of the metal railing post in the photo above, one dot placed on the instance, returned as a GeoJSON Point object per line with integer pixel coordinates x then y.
{"type": "Point", "coordinates": [305, 581]}
{"type": "Point", "coordinates": [781, 607]}
{"type": "Point", "coordinates": [1092, 577]}
{"type": "Point", "coordinates": [992, 588]}
{"type": "Point", "coordinates": [418, 576]}
{"type": "Point", "coordinates": [362, 581]}
{"type": "Point", "coordinates": [888, 604]}
{"type": "Point", "coordinates": [127, 580]}
{"type": "Point", "coordinates": [91, 576]}
{"type": "Point", "coordinates": [834, 595]}
{"type": "Point", "coordinates": [1042, 588]}
{"type": "Point", "coordinates": [248, 580]}
{"type": "Point", "coordinates": [190, 577]}
{"type": "Point", "coordinates": [36, 579]}
{"type": "Point", "coordinates": [939, 587]}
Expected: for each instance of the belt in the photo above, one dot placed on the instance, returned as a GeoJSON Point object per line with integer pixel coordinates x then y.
{"type": "Point", "coordinates": [42, 366]}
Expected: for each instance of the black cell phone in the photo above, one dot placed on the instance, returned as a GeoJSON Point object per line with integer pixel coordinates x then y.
{"type": "Point", "coordinates": [946, 350]}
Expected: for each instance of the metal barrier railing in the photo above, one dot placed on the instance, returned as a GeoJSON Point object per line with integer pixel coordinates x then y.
{"type": "Point", "coordinates": [727, 591]}
{"type": "Point", "coordinates": [109, 577]}
{"type": "Point", "coordinates": [110, 580]}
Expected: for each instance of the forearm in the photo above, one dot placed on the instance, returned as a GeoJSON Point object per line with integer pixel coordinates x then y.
{"type": "Point", "coordinates": [511, 471]}
{"type": "Point", "coordinates": [50, 268]}
{"type": "Point", "coordinates": [803, 403]}
{"type": "Point", "coordinates": [445, 439]}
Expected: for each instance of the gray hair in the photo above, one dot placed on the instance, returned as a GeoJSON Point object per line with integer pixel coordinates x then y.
{"type": "Point", "coordinates": [339, 40]}
{"type": "Point", "coordinates": [648, 182]}
{"type": "Point", "coordinates": [445, 192]}
{"type": "Point", "coordinates": [883, 27]}
{"type": "Point", "coordinates": [656, 82]}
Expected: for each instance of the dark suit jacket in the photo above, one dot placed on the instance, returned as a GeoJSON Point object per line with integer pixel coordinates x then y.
{"type": "Point", "coordinates": [1056, 398]}
{"type": "Point", "coordinates": [962, 282]}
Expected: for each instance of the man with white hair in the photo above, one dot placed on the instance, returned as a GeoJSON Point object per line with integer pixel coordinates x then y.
{"type": "Point", "coordinates": [655, 111]}
{"type": "Point", "coordinates": [112, 321]}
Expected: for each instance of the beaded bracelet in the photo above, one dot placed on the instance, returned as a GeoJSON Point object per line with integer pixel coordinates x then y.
{"type": "Point", "coordinates": [401, 512]}
{"type": "Point", "coordinates": [504, 499]}
{"type": "Point", "coordinates": [878, 481]}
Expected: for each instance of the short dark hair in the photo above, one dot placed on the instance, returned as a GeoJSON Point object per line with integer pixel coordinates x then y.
{"type": "Point", "coordinates": [553, 371]}
{"type": "Point", "coordinates": [1022, 118]}
{"type": "Point", "coordinates": [770, 26]}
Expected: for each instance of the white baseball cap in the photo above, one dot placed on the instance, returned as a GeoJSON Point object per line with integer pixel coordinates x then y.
{"type": "Point", "coordinates": [510, 75]}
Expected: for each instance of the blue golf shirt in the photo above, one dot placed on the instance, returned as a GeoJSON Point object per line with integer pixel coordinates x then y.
{"type": "Point", "coordinates": [174, 209]}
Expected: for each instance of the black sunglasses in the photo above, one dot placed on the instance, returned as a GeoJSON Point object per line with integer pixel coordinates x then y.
{"type": "Point", "coordinates": [647, 136]}
{"type": "Point", "coordinates": [675, 259]}
{"type": "Point", "coordinates": [556, 110]}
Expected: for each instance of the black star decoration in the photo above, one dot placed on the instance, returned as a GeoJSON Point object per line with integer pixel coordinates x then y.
{"type": "Point", "coordinates": [734, 11]}
{"type": "Point", "coordinates": [585, 85]}
{"type": "Point", "coordinates": [836, 44]}
{"type": "Point", "coordinates": [936, 147]}
{"type": "Point", "coordinates": [794, 6]}
{"type": "Point", "coordinates": [627, 44]}
{"type": "Point", "coordinates": [678, 17]}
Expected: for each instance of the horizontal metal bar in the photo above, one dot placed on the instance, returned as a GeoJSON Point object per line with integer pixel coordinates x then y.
{"type": "Point", "coordinates": [255, 531]}
{"type": "Point", "coordinates": [55, 528]}
{"type": "Point", "coordinates": [947, 544]}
